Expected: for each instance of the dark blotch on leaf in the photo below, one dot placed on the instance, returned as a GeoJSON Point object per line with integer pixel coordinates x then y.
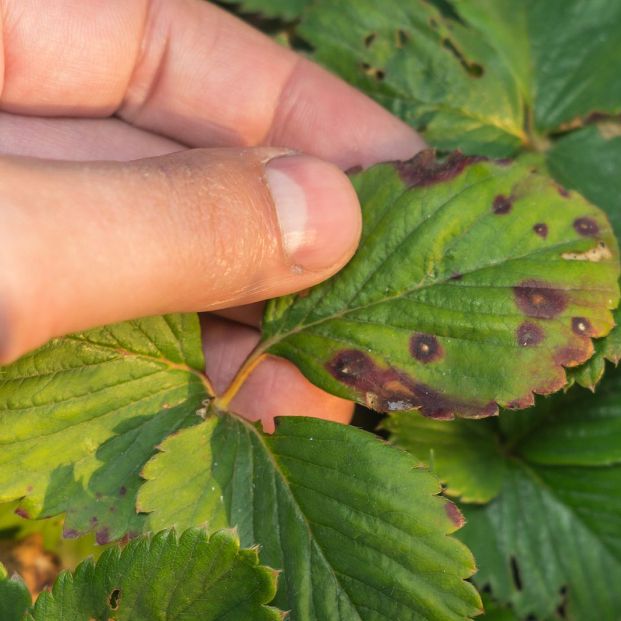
{"type": "Point", "coordinates": [457, 276]}
{"type": "Point", "coordinates": [351, 366]}
{"type": "Point", "coordinates": [536, 298]}
{"type": "Point", "coordinates": [22, 513]}
{"type": "Point", "coordinates": [502, 205]}
{"type": "Point", "coordinates": [425, 348]}
{"type": "Point", "coordinates": [390, 389]}
{"type": "Point", "coordinates": [586, 226]}
{"type": "Point", "coordinates": [102, 537]}
{"type": "Point", "coordinates": [122, 490]}
{"type": "Point", "coordinates": [564, 192]}
{"type": "Point", "coordinates": [529, 334]}
{"type": "Point", "coordinates": [70, 533]}
{"type": "Point", "coordinates": [454, 514]}
{"type": "Point", "coordinates": [425, 169]}
{"type": "Point", "coordinates": [582, 326]}
{"type": "Point", "coordinates": [541, 229]}
{"type": "Point", "coordinates": [572, 356]}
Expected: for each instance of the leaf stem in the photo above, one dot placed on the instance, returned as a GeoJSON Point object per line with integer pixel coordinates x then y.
{"type": "Point", "coordinates": [256, 356]}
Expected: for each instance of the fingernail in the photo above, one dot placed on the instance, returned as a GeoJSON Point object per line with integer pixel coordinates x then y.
{"type": "Point", "coordinates": [317, 209]}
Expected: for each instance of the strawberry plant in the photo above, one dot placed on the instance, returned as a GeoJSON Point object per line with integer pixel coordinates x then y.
{"type": "Point", "coordinates": [487, 278]}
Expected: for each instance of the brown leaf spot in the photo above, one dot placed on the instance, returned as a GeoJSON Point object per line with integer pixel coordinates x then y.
{"type": "Point", "coordinates": [352, 367]}
{"type": "Point", "coordinates": [572, 356]}
{"type": "Point", "coordinates": [586, 226]}
{"type": "Point", "coordinates": [424, 169]}
{"type": "Point", "coordinates": [539, 299]}
{"type": "Point", "coordinates": [456, 276]}
{"type": "Point", "coordinates": [502, 205]}
{"type": "Point", "coordinates": [564, 192]}
{"type": "Point", "coordinates": [425, 348]}
{"type": "Point", "coordinates": [541, 229]}
{"type": "Point", "coordinates": [390, 389]}
{"type": "Point", "coordinates": [70, 533]}
{"type": "Point", "coordinates": [529, 334]}
{"type": "Point", "coordinates": [122, 490]}
{"type": "Point", "coordinates": [102, 537]}
{"type": "Point", "coordinates": [582, 326]}
{"type": "Point", "coordinates": [454, 514]}
{"type": "Point", "coordinates": [22, 513]}
{"type": "Point", "coordinates": [521, 403]}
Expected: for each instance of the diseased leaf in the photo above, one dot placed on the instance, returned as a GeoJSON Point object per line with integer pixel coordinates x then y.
{"type": "Point", "coordinates": [550, 536]}
{"type": "Point", "coordinates": [357, 529]}
{"type": "Point", "coordinates": [194, 577]}
{"type": "Point", "coordinates": [14, 597]}
{"type": "Point", "coordinates": [498, 77]}
{"type": "Point", "coordinates": [80, 417]}
{"type": "Point", "coordinates": [429, 69]}
{"type": "Point", "coordinates": [589, 161]}
{"type": "Point", "coordinates": [475, 283]}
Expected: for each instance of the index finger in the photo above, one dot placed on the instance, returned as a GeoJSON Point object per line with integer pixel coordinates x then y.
{"type": "Point", "coordinates": [190, 71]}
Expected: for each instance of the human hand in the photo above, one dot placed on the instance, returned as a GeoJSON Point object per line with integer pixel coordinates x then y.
{"type": "Point", "coordinates": [109, 235]}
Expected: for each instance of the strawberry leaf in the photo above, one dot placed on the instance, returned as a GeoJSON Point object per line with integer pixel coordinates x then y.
{"type": "Point", "coordinates": [429, 69]}
{"type": "Point", "coordinates": [80, 417]}
{"type": "Point", "coordinates": [165, 578]}
{"type": "Point", "coordinates": [589, 161]}
{"type": "Point", "coordinates": [553, 518]}
{"type": "Point", "coordinates": [14, 597]}
{"type": "Point", "coordinates": [357, 529]}
{"type": "Point", "coordinates": [475, 283]}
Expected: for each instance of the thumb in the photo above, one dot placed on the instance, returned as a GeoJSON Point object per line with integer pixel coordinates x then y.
{"type": "Point", "coordinates": [84, 244]}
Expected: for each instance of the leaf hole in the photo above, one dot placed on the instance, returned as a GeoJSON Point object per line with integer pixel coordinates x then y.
{"type": "Point", "coordinates": [474, 70]}
{"type": "Point", "coordinates": [515, 574]}
{"type": "Point", "coordinates": [114, 600]}
{"type": "Point", "coordinates": [561, 609]}
{"type": "Point", "coordinates": [368, 40]}
{"type": "Point", "coordinates": [401, 38]}
{"type": "Point", "coordinates": [373, 72]}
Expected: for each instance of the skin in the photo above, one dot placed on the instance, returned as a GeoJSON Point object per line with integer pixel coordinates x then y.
{"type": "Point", "coordinates": [135, 137]}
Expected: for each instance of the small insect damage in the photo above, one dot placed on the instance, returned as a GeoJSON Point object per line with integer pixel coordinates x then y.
{"type": "Point", "coordinates": [598, 253]}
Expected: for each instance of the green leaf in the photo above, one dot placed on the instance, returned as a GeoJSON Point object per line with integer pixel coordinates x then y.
{"type": "Point", "coordinates": [429, 69]}
{"type": "Point", "coordinates": [467, 457]}
{"type": "Point", "coordinates": [475, 283]}
{"type": "Point", "coordinates": [14, 597]}
{"type": "Point", "coordinates": [559, 52]}
{"type": "Point", "coordinates": [589, 160]}
{"type": "Point", "coordinates": [496, 612]}
{"type": "Point", "coordinates": [194, 577]}
{"type": "Point", "coordinates": [550, 536]}
{"type": "Point", "coordinates": [356, 527]}
{"type": "Point", "coordinates": [80, 417]}
{"type": "Point", "coordinates": [287, 10]}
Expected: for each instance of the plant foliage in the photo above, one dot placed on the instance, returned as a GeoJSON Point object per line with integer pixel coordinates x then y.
{"type": "Point", "coordinates": [480, 282]}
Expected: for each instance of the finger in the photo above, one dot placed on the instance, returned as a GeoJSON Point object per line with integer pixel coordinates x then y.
{"type": "Point", "coordinates": [190, 71]}
{"type": "Point", "coordinates": [79, 139]}
{"type": "Point", "coordinates": [90, 244]}
{"type": "Point", "coordinates": [275, 388]}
